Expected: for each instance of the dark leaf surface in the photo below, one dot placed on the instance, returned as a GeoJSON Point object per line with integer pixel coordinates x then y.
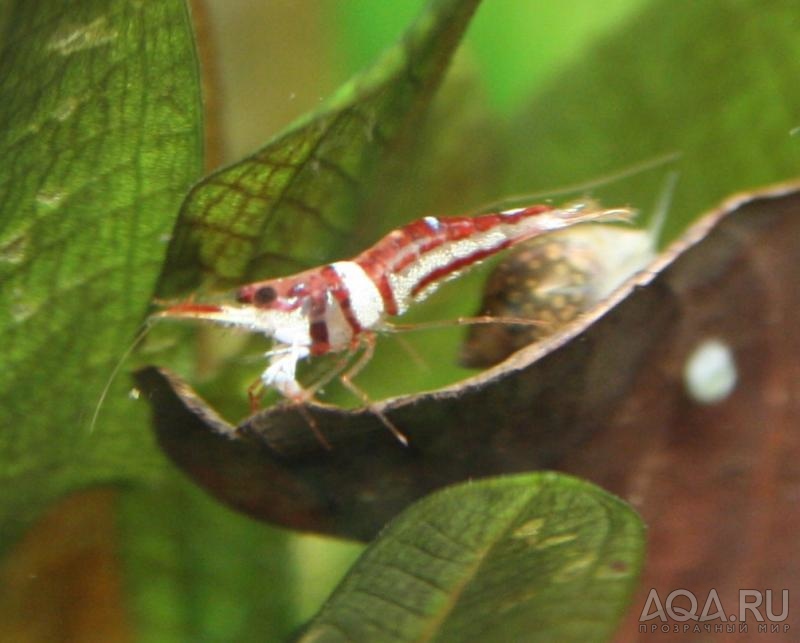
{"type": "Point", "coordinates": [99, 136]}
{"type": "Point", "coordinates": [604, 399]}
{"type": "Point", "coordinates": [526, 413]}
{"type": "Point", "coordinates": [528, 557]}
{"type": "Point", "coordinates": [295, 202]}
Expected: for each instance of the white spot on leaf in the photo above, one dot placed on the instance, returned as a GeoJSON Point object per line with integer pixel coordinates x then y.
{"type": "Point", "coordinates": [556, 540]}
{"type": "Point", "coordinates": [14, 250]}
{"type": "Point", "coordinates": [66, 108]}
{"type": "Point", "coordinates": [710, 372]}
{"type": "Point", "coordinates": [574, 569]}
{"type": "Point", "coordinates": [530, 529]}
{"type": "Point", "coordinates": [21, 308]}
{"type": "Point", "coordinates": [49, 200]}
{"type": "Point", "coordinates": [94, 34]}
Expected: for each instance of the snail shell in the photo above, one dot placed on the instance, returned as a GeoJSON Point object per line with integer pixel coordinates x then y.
{"type": "Point", "coordinates": [553, 279]}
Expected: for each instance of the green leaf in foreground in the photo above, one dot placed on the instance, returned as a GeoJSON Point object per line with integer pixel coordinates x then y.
{"type": "Point", "coordinates": [295, 201]}
{"type": "Point", "coordinates": [528, 557]}
{"type": "Point", "coordinates": [99, 138]}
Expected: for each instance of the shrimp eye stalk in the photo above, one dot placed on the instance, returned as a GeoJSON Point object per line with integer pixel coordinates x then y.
{"type": "Point", "coordinates": [264, 296]}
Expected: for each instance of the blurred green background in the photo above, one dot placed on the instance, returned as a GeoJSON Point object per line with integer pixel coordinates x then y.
{"type": "Point", "coordinates": [278, 59]}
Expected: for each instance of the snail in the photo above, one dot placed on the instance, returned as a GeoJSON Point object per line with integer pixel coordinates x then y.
{"type": "Point", "coordinates": [555, 278]}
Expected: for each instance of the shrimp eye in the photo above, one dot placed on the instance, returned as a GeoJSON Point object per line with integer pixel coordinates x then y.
{"type": "Point", "coordinates": [264, 295]}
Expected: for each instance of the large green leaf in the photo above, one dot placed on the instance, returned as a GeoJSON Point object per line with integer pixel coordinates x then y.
{"type": "Point", "coordinates": [295, 201]}
{"type": "Point", "coordinates": [99, 138]}
{"type": "Point", "coordinates": [532, 557]}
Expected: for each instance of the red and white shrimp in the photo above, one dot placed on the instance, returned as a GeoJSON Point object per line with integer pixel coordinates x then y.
{"type": "Point", "coordinates": [339, 307]}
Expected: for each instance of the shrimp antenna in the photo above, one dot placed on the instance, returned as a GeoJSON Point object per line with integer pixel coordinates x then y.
{"type": "Point", "coordinates": [136, 341]}
{"type": "Point", "coordinates": [586, 186]}
{"type": "Point", "coordinates": [656, 224]}
{"type": "Point", "coordinates": [462, 321]}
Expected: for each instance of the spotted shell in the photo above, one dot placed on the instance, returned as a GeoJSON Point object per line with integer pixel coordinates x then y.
{"type": "Point", "coordinates": [553, 279]}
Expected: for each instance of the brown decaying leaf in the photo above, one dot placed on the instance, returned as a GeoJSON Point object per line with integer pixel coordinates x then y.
{"type": "Point", "coordinates": [717, 484]}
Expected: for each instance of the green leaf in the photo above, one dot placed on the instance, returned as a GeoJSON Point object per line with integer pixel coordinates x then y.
{"type": "Point", "coordinates": [100, 136]}
{"type": "Point", "coordinates": [529, 557]}
{"type": "Point", "coordinates": [295, 201]}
